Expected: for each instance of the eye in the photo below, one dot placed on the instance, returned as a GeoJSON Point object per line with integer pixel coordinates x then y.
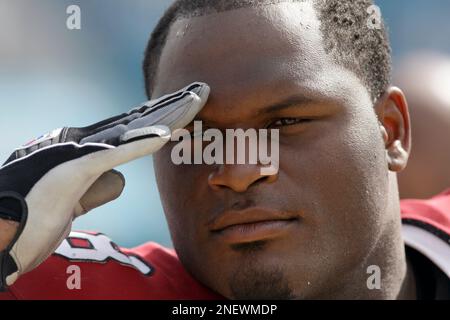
{"type": "Point", "coordinates": [288, 122]}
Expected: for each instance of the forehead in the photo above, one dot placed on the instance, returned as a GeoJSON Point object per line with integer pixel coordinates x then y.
{"type": "Point", "coordinates": [249, 50]}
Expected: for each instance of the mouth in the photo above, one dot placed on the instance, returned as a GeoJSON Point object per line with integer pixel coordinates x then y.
{"type": "Point", "coordinates": [252, 224]}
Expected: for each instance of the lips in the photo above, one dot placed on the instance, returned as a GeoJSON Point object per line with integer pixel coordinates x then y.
{"type": "Point", "coordinates": [252, 224]}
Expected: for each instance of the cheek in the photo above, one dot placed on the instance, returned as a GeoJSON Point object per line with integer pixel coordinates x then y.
{"type": "Point", "coordinates": [172, 188]}
{"type": "Point", "coordinates": [340, 175]}
{"type": "Point", "coordinates": [184, 195]}
{"type": "Point", "coordinates": [182, 190]}
{"type": "Point", "coordinates": [359, 184]}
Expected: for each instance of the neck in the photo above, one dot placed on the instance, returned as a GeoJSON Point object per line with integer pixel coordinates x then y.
{"type": "Point", "coordinates": [408, 288]}
{"type": "Point", "coordinates": [396, 276]}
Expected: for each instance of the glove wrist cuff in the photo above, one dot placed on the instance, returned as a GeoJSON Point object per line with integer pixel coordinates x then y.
{"type": "Point", "coordinates": [12, 207]}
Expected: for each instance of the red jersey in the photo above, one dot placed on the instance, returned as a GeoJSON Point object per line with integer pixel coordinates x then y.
{"type": "Point", "coordinates": [106, 271]}
{"type": "Point", "coordinates": [91, 266]}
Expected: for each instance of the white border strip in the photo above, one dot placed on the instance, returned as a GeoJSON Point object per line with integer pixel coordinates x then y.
{"type": "Point", "coordinates": [433, 247]}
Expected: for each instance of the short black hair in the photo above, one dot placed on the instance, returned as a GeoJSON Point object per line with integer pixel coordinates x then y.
{"type": "Point", "coordinates": [344, 25]}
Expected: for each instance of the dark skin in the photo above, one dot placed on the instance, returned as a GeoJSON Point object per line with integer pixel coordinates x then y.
{"type": "Point", "coordinates": [338, 161]}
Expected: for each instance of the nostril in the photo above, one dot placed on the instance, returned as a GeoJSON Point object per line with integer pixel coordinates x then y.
{"type": "Point", "coordinates": [218, 187]}
{"type": "Point", "coordinates": [214, 182]}
{"type": "Point", "coordinates": [262, 179]}
{"type": "Point", "coordinates": [238, 177]}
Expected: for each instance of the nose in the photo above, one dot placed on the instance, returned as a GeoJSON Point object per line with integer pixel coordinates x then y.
{"type": "Point", "coordinates": [238, 177]}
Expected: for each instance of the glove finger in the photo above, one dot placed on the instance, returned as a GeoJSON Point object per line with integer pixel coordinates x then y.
{"type": "Point", "coordinates": [105, 189]}
{"type": "Point", "coordinates": [16, 175]}
{"type": "Point", "coordinates": [178, 114]}
{"type": "Point", "coordinates": [174, 113]}
{"type": "Point", "coordinates": [146, 141]}
{"type": "Point", "coordinates": [149, 106]}
{"type": "Point", "coordinates": [198, 88]}
{"type": "Point", "coordinates": [175, 110]}
{"type": "Point", "coordinates": [103, 131]}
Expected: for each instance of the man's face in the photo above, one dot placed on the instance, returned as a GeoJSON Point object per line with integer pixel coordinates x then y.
{"type": "Point", "coordinates": [265, 65]}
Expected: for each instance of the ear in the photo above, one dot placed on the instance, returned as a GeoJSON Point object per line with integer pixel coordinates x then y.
{"type": "Point", "coordinates": [393, 115]}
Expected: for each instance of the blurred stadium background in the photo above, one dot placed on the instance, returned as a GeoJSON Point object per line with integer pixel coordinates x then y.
{"type": "Point", "coordinates": [51, 77]}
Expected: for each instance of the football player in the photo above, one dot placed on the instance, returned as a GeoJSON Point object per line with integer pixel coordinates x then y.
{"type": "Point", "coordinates": [328, 225]}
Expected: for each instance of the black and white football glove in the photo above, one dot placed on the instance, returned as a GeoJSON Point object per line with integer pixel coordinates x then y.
{"type": "Point", "coordinates": [47, 183]}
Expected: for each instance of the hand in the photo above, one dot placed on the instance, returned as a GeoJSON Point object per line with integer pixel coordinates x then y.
{"type": "Point", "coordinates": [47, 183]}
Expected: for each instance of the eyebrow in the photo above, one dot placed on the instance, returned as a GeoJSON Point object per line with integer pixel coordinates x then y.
{"type": "Point", "coordinates": [295, 100]}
